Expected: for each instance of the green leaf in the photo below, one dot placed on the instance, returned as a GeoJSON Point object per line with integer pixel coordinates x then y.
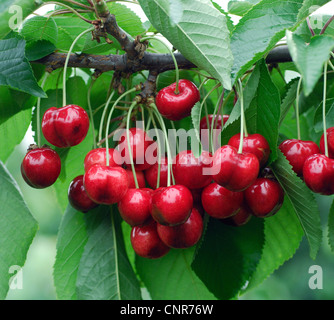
{"type": "Point", "coordinates": [39, 49]}
{"type": "Point", "coordinates": [17, 229]}
{"type": "Point", "coordinates": [310, 58]}
{"type": "Point", "coordinates": [15, 70]}
{"type": "Point", "coordinates": [105, 272]}
{"type": "Point", "coordinates": [72, 237]}
{"type": "Point", "coordinates": [228, 256]}
{"type": "Point", "coordinates": [260, 29]}
{"type": "Point", "coordinates": [171, 277]}
{"type": "Point", "coordinates": [302, 201]}
{"type": "Point", "coordinates": [318, 123]}
{"type": "Point", "coordinates": [330, 232]}
{"type": "Point", "coordinates": [288, 98]}
{"type": "Point", "coordinates": [12, 13]}
{"type": "Point", "coordinates": [310, 6]}
{"type": "Point", "coordinates": [201, 34]}
{"type": "Point", "coordinates": [239, 8]}
{"type": "Point", "coordinates": [282, 237]}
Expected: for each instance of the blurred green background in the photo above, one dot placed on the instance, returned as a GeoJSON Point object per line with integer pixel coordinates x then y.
{"type": "Point", "coordinates": [289, 282]}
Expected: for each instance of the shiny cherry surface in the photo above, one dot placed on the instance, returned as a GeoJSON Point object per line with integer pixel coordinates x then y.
{"type": "Point", "coordinates": [330, 143]}
{"type": "Point", "coordinates": [151, 174]}
{"type": "Point", "coordinates": [98, 156]}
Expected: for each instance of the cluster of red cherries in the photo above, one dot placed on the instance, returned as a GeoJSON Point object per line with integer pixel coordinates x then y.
{"type": "Point", "coordinates": [229, 185]}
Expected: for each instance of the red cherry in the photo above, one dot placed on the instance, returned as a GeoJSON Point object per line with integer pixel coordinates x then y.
{"type": "Point", "coordinates": [41, 167]}
{"type": "Point", "coordinates": [65, 127]}
{"type": "Point", "coordinates": [78, 196]}
{"type": "Point", "coordinates": [205, 130]}
{"type": "Point", "coordinates": [142, 147]}
{"type": "Point", "coordinates": [253, 143]}
{"type": "Point", "coordinates": [192, 172]}
{"type": "Point", "coordinates": [234, 171]}
{"type": "Point", "coordinates": [140, 179]}
{"type": "Point", "coordinates": [297, 151]}
{"type": "Point", "coordinates": [177, 106]}
{"type": "Point", "coordinates": [134, 207]}
{"type": "Point", "coordinates": [98, 156]}
{"type": "Point", "coordinates": [171, 205]}
{"type": "Point", "coordinates": [219, 202]}
{"type": "Point", "coordinates": [264, 197]}
{"type": "Point", "coordinates": [330, 142]}
{"type": "Point", "coordinates": [146, 243]}
{"type": "Point", "coordinates": [151, 174]}
{"type": "Point", "coordinates": [106, 185]}
{"type": "Point", "coordinates": [318, 174]}
{"type": "Point", "coordinates": [240, 218]}
{"type": "Point", "coordinates": [184, 235]}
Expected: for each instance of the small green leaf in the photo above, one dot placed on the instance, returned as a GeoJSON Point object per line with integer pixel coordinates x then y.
{"type": "Point", "coordinates": [310, 58]}
{"type": "Point", "coordinates": [331, 227]}
{"type": "Point", "coordinates": [318, 123]}
{"type": "Point", "coordinates": [17, 229]}
{"type": "Point", "coordinates": [239, 8]}
{"type": "Point", "coordinates": [288, 98]}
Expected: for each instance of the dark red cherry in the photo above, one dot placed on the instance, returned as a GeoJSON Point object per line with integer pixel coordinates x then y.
{"type": "Point", "coordinates": [240, 218]}
{"type": "Point", "coordinates": [41, 167]}
{"type": "Point", "coordinates": [146, 243]}
{"type": "Point", "coordinates": [106, 185]}
{"type": "Point", "coordinates": [219, 202]}
{"type": "Point", "coordinates": [78, 197]}
{"type": "Point", "coordinates": [264, 197]}
{"type": "Point", "coordinates": [177, 106]}
{"type": "Point", "coordinates": [330, 142]}
{"type": "Point", "coordinates": [234, 171]}
{"type": "Point", "coordinates": [253, 143]}
{"type": "Point", "coordinates": [184, 235]}
{"type": "Point", "coordinates": [194, 173]}
{"type": "Point", "coordinates": [65, 127]}
{"type": "Point", "coordinates": [171, 205]}
{"type": "Point", "coordinates": [134, 207]}
{"type": "Point", "coordinates": [151, 174]}
{"type": "Point", "coordinates": [297, 151]}
{"type": "Point", "coordinates": [143, 149]}
{"type": "Point", "coordinates": [98, 156]}
{"type": "Point", "coordinates": [318, 174]}
{"type": "Point", "coordinates": [140, 179]}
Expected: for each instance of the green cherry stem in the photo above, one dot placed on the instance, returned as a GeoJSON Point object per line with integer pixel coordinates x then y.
{"type": "Point", "coordinates": [67, 60]}
{"type": "Point", "coordinates": [177, 72]}
{"type": "Point", "coordinates": [243, 128]}
{"type": "Point", "coordinates": [129, 145]}
{"type": "Point", "coordinates": [105, 109]}
{"type": "Point", "coordinates": [109, 120]}
{"type": "Point", "coordinates": [297, 108]}
{"type": "Point", "coordinates": [91, 112]}
{"type": "Point", "coordinates": [324, 110]}
{"type": "Point", "coordinates": [214, 121]}
{"type": "Point", "coordinates": [38, 112]}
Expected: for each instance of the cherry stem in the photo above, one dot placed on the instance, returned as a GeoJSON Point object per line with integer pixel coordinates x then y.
{"type": "Point", "coordinates": [297, 107]}
{"type": "Point", "coordinates": [242, 117]}
{"type": "Point", "coordinates": [324, 110]}
{"type": "Point", "coordinates": [326, 25]}
{"type": "Point", "coordinates": [104, 114]}
{"type": "Point", "coordinates": [129, 145]}
{"type": "Point", "coordinates": [67, 60]}
{"type": "Point", "coordinates": [177, 72]}
{"type": "Point", "coordinates": [38, 111]}
{"type": "Point", "coordinates": [169, 154]}
{"type": "Point", "coordinates": [109, 120]}
{"type": "Point", "coordinates": [159, 147]}
{"type": "Point", "coordinates": [309, 26]}
{"type": "Point", "coordinates": [214, 121]}
{"type": "Point", "coordinates": [91, 112]}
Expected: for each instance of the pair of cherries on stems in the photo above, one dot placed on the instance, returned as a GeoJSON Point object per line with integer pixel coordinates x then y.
{"type": "Point", "coordinates": [62, 127]}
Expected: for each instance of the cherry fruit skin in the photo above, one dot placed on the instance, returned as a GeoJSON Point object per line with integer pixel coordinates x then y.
{"type": "Point", "coordinates": [264, 197]}
{"type": "Point", "coordinates": [151, 174]}
{"type": "Point", "coordinates": [171, 205]}
{"type": "Point", "coordinates": [65, 127]}
{"type": "Point", "coordinates": [78, 197]}
{"type": "Point", "coordinates": [41, 167]}
{"type": "Point", "coordinates": [330, 142]}
{"type": "Point", "coordinates": [297, 151]}
{"type": "Point", "coordinates": [184, 235]}
{"type": "Point", "coordinates": [140, 179]}
{"type": "Point", "coordinates": [253, 143]}
{"type": "Point", "coordinates": [219, 202]}
{"type": "Point", "coordinates": [106, 185]}
{"type": "Point", "coordinates": [140, 145]}
{"type": "Point", "coordinates": [174, 106]}
{"type": "Point", "coordinates": [240, 218]}
{"type": "Point", "coordinates": [98, 156]}
{"type": "Point", "coordinates": [134, 207]}
{"type": "Point", "coordinates": [234, 171]}
{"type": "Point", "coordinates": [318, 174]}
{"type": "Point", "coordinates": [192, 172]}
{"type": "Point", "coordinates": [146, 242]}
